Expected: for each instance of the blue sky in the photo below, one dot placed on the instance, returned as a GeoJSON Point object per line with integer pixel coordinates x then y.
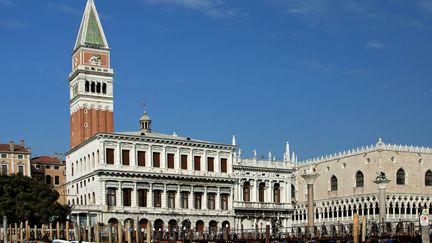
{"type": "Point", "coordinates": [326, 75]}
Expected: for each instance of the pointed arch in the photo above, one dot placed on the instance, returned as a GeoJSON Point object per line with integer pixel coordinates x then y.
{"type": "Point", "coordinates": [333, 183]}
{"type": "Point", "coordinates": [359, 179]}
{"type": "Point", "coordinates": [400, 177]}
{"type": "Point", "coordinates": [428, 178]}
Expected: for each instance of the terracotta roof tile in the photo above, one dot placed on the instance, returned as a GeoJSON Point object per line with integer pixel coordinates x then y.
{"type": "Point", "coordinates": [17, 148]}
{"type": "Point", "coordinates": [45, 159]}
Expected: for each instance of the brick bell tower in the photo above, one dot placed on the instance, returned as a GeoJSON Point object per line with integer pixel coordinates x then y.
{"type": "Point", "coordinates": [91, 81]}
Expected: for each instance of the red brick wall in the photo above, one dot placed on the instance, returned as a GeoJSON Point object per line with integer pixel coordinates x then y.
{"type": "Point", "coordinates": [97, 121]}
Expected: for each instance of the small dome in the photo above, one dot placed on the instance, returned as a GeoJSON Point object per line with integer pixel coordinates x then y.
{"type": "Point", "coordinates": [145, 117]}
{"type": "Point", "coordinates": [145, 123]}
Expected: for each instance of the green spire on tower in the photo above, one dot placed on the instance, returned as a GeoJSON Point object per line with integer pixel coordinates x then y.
{"type": "Point", "coordinates": [91, 33]}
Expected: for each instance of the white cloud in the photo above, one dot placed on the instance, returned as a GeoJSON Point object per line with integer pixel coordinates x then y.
{"type": "Point", "coordinates": [373, 44]}
{"type": "Point", "coordinates": [211, 8]}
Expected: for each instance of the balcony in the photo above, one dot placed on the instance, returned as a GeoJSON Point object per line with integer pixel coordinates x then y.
{"type": "Point", "coordinates": [265, 206]}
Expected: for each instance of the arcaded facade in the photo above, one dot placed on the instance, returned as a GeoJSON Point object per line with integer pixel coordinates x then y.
{"type": "Point", "coordinates": [346, 184]}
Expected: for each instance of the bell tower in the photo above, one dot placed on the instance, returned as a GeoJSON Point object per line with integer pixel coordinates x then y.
{"type": "Point", "coordinates": [91, 81]}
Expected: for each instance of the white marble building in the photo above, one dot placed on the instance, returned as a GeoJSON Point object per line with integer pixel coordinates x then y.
{"type": "Point", "coordinates": [168, 179]}
{"type": "Point", "coordinates": [263, 192]}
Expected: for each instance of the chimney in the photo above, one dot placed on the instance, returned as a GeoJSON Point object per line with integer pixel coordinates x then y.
{"type": "Point", "coordinates": [55, 155]}
{"type": "Point", "coordinates": [22, 143]}
{"type": "Point", "coordinates": [11, 146]}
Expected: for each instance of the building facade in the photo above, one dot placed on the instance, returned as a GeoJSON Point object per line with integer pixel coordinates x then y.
{"type": "Point", "coordinates": [173, 181]}
{"type": "Point", "coordinates": [262, 193]}
{"type": "Point", "coordinates": [50, 170]}
{"type": "Point", "coordinates": [15, 159]}
{"type": "Point", "coordinates": [345, 184]}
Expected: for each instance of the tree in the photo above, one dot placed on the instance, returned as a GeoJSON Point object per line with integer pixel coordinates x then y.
{"type": "Point", "coordinates": [22, 198]}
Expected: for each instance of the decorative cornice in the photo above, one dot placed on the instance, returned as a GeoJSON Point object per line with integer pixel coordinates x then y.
{"type": "Point", "coordinates": [155, 140]}
{"type": "Point", "coordinates": [165, 176]}
{"type": "Point", "coordinates": [263, 169]}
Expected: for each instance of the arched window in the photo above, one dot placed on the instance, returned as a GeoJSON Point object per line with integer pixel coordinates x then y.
{"type": "Point", "coordinates": [72, 169]}
{"type": "Point", "coordinates": [104, 86]}
{"type": "Point", "coordinates": [359, 179]}
{"type": "Point", "coordinates": [293, 193]}
{"type": "Point", "coordinates": [428, 178]}
{"type": "Point", "coordinates": [261, 192]}
{"type": "Point", "coordinates": [246, 192]}
{"type": "Point", "coordinates": [93, 88]}
{"type": "Point", "coordinates": [87, 86]}
{"type": "Point", "coordinates": [400, 177]}
{"type": "Point", "coordinates": [276, 193]}
{"type": "Point", "coordinates": [333, 183]}
{"type": "Point", "coordinates": [98, 87]}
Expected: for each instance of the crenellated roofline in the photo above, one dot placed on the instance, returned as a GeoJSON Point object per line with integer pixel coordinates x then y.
{"type": "Point", "coordinates": [379, 146]}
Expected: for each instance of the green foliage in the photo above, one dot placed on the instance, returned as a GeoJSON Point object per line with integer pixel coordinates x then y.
{"type": "Point", "coordinates": [22, 198]}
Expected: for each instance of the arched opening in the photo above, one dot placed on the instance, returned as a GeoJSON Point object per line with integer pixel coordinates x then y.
{"type": "Point", "coordinates": [225, 224]}
{"type": "Point", "coordinates": [213, 227]}
{"type": "Point", "coordinates": [87, 86]}
{"type": "Point", "coordinates": [400, 177]}
{"type": "Point", "coordinates": [261, 192]}
{"type": "Point", "coordinates": [428, 178]}
{"type": "Point", "coordinates": [113, 222]}
{"type": "Point", "coordinates": [333, 183]}
{"type": "Point", "coordinates": [104, 86]}
{"type": "Point", "coordinates": [359, 179]}
{"type": "Point", "coordinates": [186, 225]}
{"type": "Point", "coordinates": [172, 226]}
{"type": "Point", "coordinates": [293, 193]}
{"type": "Point", "coordinates": [246, 192]}
{"type": "Point", "coordinates": [276, 193]}
{"type": "Point", "coordinates": [159, 225]}
{"type": "Point", "coordinates": [128, 222]}
{"type": "Point", "coordinates": [143, 223]}
{"type": "Point", "coordinates": [98, 88]}
{"type": "Point", "coordinates": [199, 226]}
{"type": "Point", "coordinates": [93, 87]}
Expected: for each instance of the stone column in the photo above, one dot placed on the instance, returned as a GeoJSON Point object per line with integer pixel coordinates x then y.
{"type": "Point", "coordinates": [178, 198]}
{"type": "Point", "coordinates": [134, 201]}
{"type": "Point", "coordinates": [269, 192]}
{"type": "Point", "coordinates": [204, 199]}
{"type": "Point", "coordinates": [310, 176]}
{"type": "Point", "coordinates": [164, 197]}
{"type": "Point", "coordinates": [382, 182]}
{"type": "Point", "coordinates": [150, 197]}
{"type": "Point", "coordinates": [119, 196]}
{"type": "Point", "coordinates": [217, 200]}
